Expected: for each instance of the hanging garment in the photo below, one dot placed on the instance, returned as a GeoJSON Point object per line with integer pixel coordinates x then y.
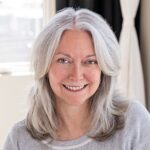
{"type": "Point", "coordinates": [130, 79]}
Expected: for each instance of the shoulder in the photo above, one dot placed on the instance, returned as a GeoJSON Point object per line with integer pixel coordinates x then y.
{"type": "Point", "coordinates": [137, 126]}
{"type": "Point", "coordinates": [17, 132]}
{"type": "Point", "coordinates": [137, 115]}
{"type": "Point", "coordinates": [19, 125]}
{"type": "Point", "coordinates": [20, 138]}
{"type": "Point", "coordinates": [18, 129]}
{"type": "Point", "coordinates": [136, 110]}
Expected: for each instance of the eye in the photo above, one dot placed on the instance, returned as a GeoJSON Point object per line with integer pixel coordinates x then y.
{"type": "Point", "coordinates": [90, 62]}
{"type": "Point", "coordinates": [63, 61]}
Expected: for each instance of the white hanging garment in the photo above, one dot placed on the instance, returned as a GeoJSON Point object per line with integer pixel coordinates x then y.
{"type": "Point", "coordinates": [130, 79]}
{"type": "Point", "coordinates": [49, 10]}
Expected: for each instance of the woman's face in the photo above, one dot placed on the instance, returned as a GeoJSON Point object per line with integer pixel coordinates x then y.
{"type": "Point", "coordinates": [74, 74]}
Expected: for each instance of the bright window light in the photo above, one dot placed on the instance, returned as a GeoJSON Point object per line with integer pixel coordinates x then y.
{"type": "Point", "coordinates": [20, 22]}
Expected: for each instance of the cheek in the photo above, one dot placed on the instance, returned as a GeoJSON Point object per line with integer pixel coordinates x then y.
{"type": "Point", "coordinates": [94, 76]}
{"type": "Point", "coordinates": [56, 74]}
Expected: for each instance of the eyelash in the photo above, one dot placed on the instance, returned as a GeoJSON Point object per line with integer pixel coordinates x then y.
{"type": "Point", "coordinates": [90, 62]}
{"type": "Point", "coordinates": [63, 61]}
{"type": "Point", "coordinates": [66, 61]}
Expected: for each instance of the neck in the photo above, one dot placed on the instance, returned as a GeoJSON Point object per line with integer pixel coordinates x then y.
{"type": "Point", "coordinates": [73, 121]}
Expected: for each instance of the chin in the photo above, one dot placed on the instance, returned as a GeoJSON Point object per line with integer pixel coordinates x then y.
{"type": "Point", "coordinates": [76, 102]}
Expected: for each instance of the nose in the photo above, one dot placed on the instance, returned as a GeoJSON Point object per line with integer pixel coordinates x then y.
{"type": "Point", "coordinates": [76, 72]}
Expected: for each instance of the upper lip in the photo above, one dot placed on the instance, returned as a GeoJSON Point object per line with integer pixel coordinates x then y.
{"type": "Point", "coordinates": [75, 85]}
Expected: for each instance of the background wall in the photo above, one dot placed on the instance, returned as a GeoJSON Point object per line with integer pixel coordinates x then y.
{"type": "Point", "coordinates": [13, 101]}
{"type": "Point", "coordinates": [145, 45]}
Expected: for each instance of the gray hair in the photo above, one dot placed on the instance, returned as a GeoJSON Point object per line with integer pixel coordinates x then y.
{"type": "Point", "coordinates": [107, 107]}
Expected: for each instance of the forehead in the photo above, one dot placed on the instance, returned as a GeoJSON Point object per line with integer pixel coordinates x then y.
{"type": "Point", "coordinates": [77, 32]}
{"type": "Point", "coordinates": [76, 41]}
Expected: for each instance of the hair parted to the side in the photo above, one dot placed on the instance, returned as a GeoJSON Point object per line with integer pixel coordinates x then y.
{"type": "Point", "coordinates": [107, 107]}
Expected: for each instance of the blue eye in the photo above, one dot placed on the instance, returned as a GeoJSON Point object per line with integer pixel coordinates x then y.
{"type": "Point", "coordinates": [91, 62]}
{"type": "Point", "coordinates": [63, 61]}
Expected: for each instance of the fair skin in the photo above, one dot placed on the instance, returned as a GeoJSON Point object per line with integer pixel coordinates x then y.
{"type": "Point", "coordinates": [74, 77]}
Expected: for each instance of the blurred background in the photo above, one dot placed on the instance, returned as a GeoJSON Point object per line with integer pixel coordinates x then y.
{"type": "Point", "coordinates": [22, 20]}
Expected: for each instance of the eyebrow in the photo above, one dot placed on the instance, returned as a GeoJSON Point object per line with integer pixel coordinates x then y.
{"type": "Point", "coordinates": [60, 53]}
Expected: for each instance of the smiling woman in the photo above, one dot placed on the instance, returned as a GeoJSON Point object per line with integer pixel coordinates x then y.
{"type": "Point", "coordinates": [74, 102]}
{"type": "Point", "coordinates": [74, 60]}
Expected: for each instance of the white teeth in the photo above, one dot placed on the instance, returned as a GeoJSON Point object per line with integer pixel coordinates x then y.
{"type": "Point", "coordinates": [74, 88]}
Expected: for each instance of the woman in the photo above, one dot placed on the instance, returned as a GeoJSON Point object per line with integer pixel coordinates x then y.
{"type": "Point", "coordinates": [74, 102]}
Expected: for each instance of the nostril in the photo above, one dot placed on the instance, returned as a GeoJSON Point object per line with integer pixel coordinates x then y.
{"type": "Point", "coordinates": [76, 77]}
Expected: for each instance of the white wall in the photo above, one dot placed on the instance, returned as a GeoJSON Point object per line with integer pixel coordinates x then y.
{"type": "Point", "coordinates": [13, 101]}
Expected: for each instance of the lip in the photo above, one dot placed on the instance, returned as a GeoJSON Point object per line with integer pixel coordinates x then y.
{"type": "Point", "coordinates": [74, 88]}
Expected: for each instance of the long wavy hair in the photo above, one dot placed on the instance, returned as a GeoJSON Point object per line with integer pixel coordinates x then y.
{"type": "Point", "coordinates": [107, 106]}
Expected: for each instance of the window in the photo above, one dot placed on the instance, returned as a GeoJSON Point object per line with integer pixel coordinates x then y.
{"type": "Point", "coordinates": [20, 22]}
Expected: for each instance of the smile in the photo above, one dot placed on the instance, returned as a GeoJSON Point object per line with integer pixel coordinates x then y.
{"type": "Point", "coordinates": [74, 88]}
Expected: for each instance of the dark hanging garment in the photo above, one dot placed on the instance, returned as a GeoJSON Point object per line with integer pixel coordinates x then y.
{"type": "Point", "coordinates": [89, 4]}
{"type": "Point", "coordinates": [109, 9]}
{"type": "Point", "coordinates": [60, 4]}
